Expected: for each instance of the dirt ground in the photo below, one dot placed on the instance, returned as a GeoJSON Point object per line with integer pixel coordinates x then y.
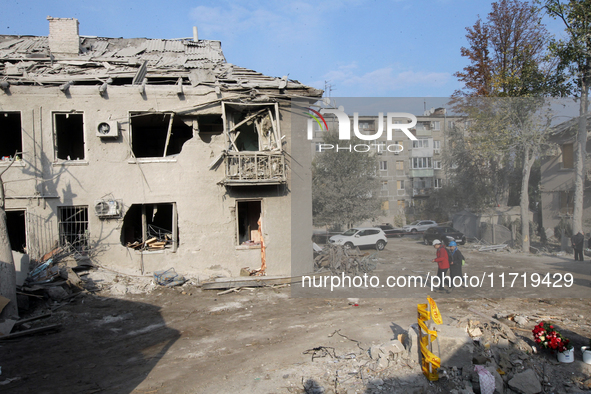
{"type": "Point", "coordinates": [264, 340]}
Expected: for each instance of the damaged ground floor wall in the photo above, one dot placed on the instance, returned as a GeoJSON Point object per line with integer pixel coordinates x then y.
{"type": "Point", "coordinates": [217, 237]}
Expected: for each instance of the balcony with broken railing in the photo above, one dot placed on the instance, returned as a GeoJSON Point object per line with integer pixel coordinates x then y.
{"type": "Point", "coordinates": [255, 155]}
{"type": "Point", "coordinates": [246, 168]}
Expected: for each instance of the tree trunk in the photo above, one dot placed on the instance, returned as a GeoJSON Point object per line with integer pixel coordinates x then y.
{"type": "Point", "coordinates": [524, 200]}
{"type": "Point", "coordinates": [7, 272]}
{"type": "Point", "coordinates": [580, 156]}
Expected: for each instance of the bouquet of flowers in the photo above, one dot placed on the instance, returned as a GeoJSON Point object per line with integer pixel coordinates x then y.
{"type": "Point", "coordinates": [547, 336]}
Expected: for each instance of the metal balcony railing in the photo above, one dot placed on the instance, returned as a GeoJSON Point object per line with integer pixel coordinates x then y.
{"type": "Point", "coordinates": [252, 168]}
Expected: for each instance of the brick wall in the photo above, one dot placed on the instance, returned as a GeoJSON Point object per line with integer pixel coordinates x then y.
{"type": "Point", "coordinates": [63, 36]}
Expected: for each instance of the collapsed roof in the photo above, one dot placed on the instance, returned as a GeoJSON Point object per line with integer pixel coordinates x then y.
{"type": "Point", "coordinates": [30, 60]}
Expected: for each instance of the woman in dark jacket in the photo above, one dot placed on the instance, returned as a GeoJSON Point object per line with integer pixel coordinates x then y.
{"type": "Point", "coordinates": [456, 258]}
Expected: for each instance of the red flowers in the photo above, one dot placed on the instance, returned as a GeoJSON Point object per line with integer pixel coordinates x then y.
{"type": "Point", "coordinates": [548, 337]}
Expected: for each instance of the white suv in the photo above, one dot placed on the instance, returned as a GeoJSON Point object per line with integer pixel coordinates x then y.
{"type": "Point", "coordinates": [366, 236]}
{"type": "Point", "coordinates": [419, 225]}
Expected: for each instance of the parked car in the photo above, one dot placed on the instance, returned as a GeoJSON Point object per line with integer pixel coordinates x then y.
{"type": "Point", "coordinates": [361, 236]}
{"type": "Point", "coordinates": [419, 225]}
{"type": "Point", "coordinates": [444, 234]}
{"type": "Point", "coordinates": [391, 231]}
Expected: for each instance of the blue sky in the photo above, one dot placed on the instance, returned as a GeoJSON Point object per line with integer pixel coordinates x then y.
{"type": "Point", "coordinates": [363, 48]}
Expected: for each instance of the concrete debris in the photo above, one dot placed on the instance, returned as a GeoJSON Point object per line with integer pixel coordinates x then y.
{"type": "Point", "coordinates": [30, 60]}
{"type": "Point", "coordinates": [476, 357]}
{"type": "Point", "coordinates": [57, 293]}
{"type": "Point", "coordinates": [492, 247]}
{"type": "Point", "coordinates": [526, 382]}
{"type": "Point", "coordinates": [339, 259]}
{"type": "Point", "coordinates": [168, 278]}
{"type": "Point", "coordinates": [454, 345]}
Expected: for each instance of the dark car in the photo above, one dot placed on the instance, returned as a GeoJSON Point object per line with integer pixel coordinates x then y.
{"type": "Point", "coordinates": [391, 231]}
{"type": "Point", "coordinates": [444, 234]}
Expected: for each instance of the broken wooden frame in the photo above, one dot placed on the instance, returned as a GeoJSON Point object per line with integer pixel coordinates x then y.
{"type": "Point", "coordinates": [153, 238]}
{"type": "Point", "coordinates": [255, 152]}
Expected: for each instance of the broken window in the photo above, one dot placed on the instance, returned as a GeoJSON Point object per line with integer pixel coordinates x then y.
{"type": "Point", "coordinates": [73, 227]}
{"type": "Point", "coordinates": [150, 227]}
{"type": "Point", "coordinates": [11, 135]}
{"type": "Point", "coordinates": [567, 156]}
{"type": "Point", "coordinates": [69, 136]}
{"type": "Point", "coordinates": [254, 139]}
{"type": "Point", "coordinates": [567, 202]}
{"type": "Point", "coordinates": [252, 127]}
{"type": "Point", "coordinates": [249, 213]}
{"type": "Point", "coordinates": [158, 134]}
{"type": "Point", "coordinates": [208, 125]}
{"type": "Point", "coordinates": [16, 225]}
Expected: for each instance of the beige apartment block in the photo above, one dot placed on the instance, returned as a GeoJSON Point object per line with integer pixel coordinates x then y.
{"type": "Point", "coordinates": [410, 171]}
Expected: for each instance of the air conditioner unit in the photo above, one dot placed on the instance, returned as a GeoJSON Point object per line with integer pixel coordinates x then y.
{"type": "Point", "coordinates": [107, 208]}
{"type": "Point", "coordinates": [107, 129]}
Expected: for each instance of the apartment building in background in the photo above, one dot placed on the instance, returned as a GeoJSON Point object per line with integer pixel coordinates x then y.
{"type": "Point", "coordinates": [408, 176]}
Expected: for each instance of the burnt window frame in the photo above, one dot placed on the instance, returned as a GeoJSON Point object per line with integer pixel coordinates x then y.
{"type": "Point", "coordinates": [56, 149]}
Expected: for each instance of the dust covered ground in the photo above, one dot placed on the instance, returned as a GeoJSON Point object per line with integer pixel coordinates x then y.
{"type": "Point", "coordinates": [189, 340]}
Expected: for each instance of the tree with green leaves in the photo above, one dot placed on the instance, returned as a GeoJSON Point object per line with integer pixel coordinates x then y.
{"type": "Point", "coordinates": [574, 53]}
{"type": "Point", "coordinates": [345, 185]}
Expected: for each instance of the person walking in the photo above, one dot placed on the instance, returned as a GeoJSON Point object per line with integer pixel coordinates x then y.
{"type": "Point", "coordinates": [456, 260]}
{"type": "Point", "coordinates": [578, 241]}
{"type": "Point", "coordinates": [442, 260]}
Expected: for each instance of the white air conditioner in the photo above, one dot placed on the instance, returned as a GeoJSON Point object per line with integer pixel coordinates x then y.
{"type": "Point", "coordinates": [107, 208]}
{"type": "Point", "coordinates": [107, 129]}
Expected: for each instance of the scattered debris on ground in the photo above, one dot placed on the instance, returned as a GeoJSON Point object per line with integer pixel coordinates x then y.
{"type": "Point", "coordinates": [252, 335]}
{"type": "Point", "coordinates": [339, 259]}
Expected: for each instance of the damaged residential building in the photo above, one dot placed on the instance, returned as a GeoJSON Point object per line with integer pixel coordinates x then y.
{"type": "Point", "coordinates": [149, 154]}
{"type": "Point", "coordinates": [557, 184]}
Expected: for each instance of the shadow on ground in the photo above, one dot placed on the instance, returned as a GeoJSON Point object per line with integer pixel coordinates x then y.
{"type": "Point", "coordinates": [101, 347]}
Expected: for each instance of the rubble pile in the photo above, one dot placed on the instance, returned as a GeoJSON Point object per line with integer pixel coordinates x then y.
{"type": "Point", "coordinates": [343, 365]}
{"type": "Point", "coordinates": [159, 239]}
{"type": "Point", "coordinates": [477, 356]}
{"type": "Point", "coordinates": [338, 259]}
{"type": "Point", "coordinates": [54, 277]}
{"type": "Point", "coordinates": [64, 273]}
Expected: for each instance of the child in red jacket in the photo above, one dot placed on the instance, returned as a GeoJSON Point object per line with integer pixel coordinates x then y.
{"type": "Point", "coordinates": [442, 261]}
